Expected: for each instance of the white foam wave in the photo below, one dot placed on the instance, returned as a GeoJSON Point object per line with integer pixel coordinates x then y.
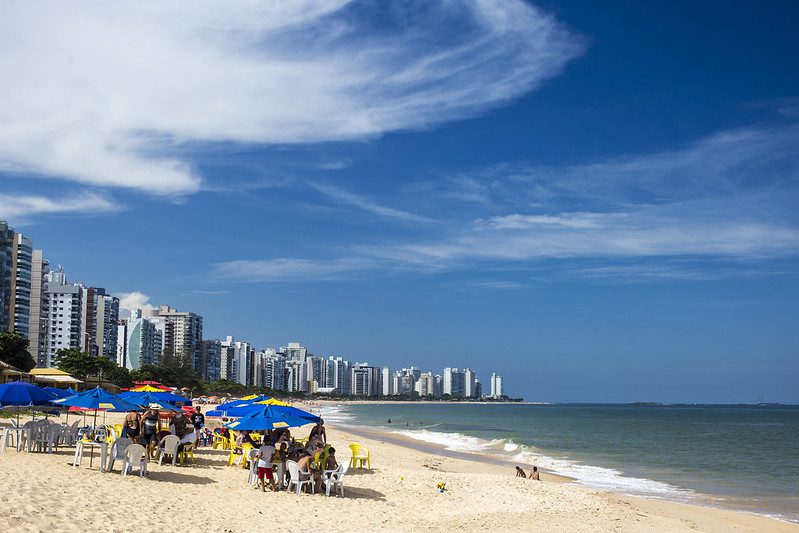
{"type": "Point", "coordinates": [592, 476]}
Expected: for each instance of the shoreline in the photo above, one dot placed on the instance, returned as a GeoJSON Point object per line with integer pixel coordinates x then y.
{"type": "Point", "coordinates": [697, 499]}
{"type": "Point", "coordinates": [44, 493]}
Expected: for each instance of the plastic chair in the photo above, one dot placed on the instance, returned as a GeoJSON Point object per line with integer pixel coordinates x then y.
{"type": "Point", "coordinates": [221, 442]}
{"type": "Point", "coordinates": [360, 455]}
{"type": "Point", "coordinates": [186, 453]}
{"type": "Point", "coordinates": [253, 467]}
{"type": "Point", "coordinates": [118, 451]}
{"type": "Point", "coordinates": [168, 446]}
{"type": "Point", "coordinates": [135, 455]}
{"type": "Point", "coordinates": [335, 478]}
{"type": "Point", "coordinates": [298, 477]}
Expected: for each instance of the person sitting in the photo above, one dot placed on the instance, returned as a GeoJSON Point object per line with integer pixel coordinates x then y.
{"type": "Point", "coordinates": [306, 464]}
{"type": "Point", "coordinates": [534, 474]}
{"type": "Point", "coordinates": [179, 425]}
{"type": "Point", "coordinates": [331, 463]}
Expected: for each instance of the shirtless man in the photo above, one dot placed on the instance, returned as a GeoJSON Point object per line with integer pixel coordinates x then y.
{"type": "Point", "coordinates": [534, 474]}
{"type": "Point", "coordinates": [131, 428]}
{"type": "Point", "coordinates": [304, 464]}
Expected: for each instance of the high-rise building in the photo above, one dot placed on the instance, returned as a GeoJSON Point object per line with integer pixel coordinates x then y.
{"type": "Point", "coordinates": [296, 375]}
{"type": "Point", "coordinates": [364, 380]}
{"type": "Point", "coordinates": [226, 361]}
{"type": "Point", "coordinates": [37, 327]}
{"type": "Point", "coordinates": [99, 320]}
{"type": "Point", "coordinates": [137, 341]}
{"type": "Point", "coordinates": [294, 352]}
{"type": "Point", "coordinates": [496, 386]}
{"type": "Point", "coordinates": [242, 365]}
{"type": "Point", "coordinates": [469, 378]}
{"type": "Point", "coordinates": [210, 359]}
{"type": "Point", "coordinates": [338, 374]}
{"type": "Point", "coordinates": [64, 318]}
{"type": "Point", "coordinates": [6, 274]}
{"type": "Point", "coordinates": [21, 281]}
{"type": "Point", "coordinates": [274, 370]}
{"type": "Point", "coordinates": [388, 381]}
{"type": "Point", "coordinates": [426, 385]}
{"type": "Point", "coordinates": [454, 382]}
{"type": "Point", "coordinates": [182, 332]}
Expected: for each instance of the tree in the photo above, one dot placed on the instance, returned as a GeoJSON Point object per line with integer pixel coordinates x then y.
{"type": "Point", "coordinates": [14, 351]}
{"type": "Point", "coordinates": [81, 364]}
{"type": "Point", "coordinates": [120, 376]}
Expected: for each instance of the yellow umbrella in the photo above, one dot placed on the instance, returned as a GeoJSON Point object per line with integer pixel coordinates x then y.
{"type": "Point", "coordinates": [147, 388]}
{"type": "Point", "coordinates": [272, 401]}
{"type": "Point", "coordinates": [251, 396]}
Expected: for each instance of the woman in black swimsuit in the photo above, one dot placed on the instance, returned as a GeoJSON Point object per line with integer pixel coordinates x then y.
{"type": "Point", "coordinates": [149, 432]}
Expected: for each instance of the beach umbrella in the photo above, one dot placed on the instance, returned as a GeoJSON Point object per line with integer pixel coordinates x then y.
{"type": "Point", "coordinates": [146, 388]}
{"type": "Point", "coordinates": [59, 393]}
{"type": "Point", "coordinates": [98, 400]}
{"type": "Point", "coordinates": [272, 417]}
{"type": "Point", "coordinates": [272, 401]}
{"type": "Point", "coordinates": [242, 402]}
{"type": "Point", "coordinates": [20, 395]}
{"type": "Point", "coordinates": [151, 400]}
{"type": "Point", "coordinates": [164, 396]}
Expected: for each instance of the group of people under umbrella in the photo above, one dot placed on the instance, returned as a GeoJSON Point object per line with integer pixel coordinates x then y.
{"type": "Point", "coordinates": [267, 418]}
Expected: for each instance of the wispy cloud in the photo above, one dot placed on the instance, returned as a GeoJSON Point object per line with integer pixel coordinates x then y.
{"type": "Point", "coordinates": [363, 203]}
{"type": "Point", "coordinates": [19, 207]}
{"type": "Point", "coordinates": [731, 196]}
{"type": "Point", "coordinates": [166, 77]}
{"type": "Point", "coordinates": [291, 269]}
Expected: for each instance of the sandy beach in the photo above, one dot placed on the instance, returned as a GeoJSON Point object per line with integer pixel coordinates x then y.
{"type": "Point", "coordinates": [42, 492]}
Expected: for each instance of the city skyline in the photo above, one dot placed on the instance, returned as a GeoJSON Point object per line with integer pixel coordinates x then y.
{"type": "Point", "coordinates": [445, 182]}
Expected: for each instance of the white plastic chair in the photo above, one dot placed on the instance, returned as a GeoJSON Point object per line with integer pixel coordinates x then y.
{"type": "Point", "coordinates": [253, 467]}
{"type": "Point", "coordinates": [335, 478]}
{"type": "Point", "coordinates": [168, 446]}
{"type": "Point", "coordinates": [118, 451]}
{"type": "Point", "coordinates": [135, 455]}
{"type": "Point", "coordinates": [298, 477]}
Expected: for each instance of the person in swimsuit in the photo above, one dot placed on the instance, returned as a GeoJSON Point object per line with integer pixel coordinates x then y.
{"type": "Point", "coordinates": [131, 428]}
{"type": "Point", "coordinates": [149, 431]}
{"type": "Point", "coordinates": [318, 431]}
{"type": "Point", "coordinates": [534, 474]}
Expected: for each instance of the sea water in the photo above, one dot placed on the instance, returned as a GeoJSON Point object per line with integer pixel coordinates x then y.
{"type": "Point", "coordinates": [740, 457]}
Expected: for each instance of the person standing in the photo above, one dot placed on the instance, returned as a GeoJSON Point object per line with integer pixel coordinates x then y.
{"type": "Point", "coordinates": [198, 419]}
{"type": "Point", "coordinates": [149, 431]}
{"type": "Point", "coordinates": [131, 428]}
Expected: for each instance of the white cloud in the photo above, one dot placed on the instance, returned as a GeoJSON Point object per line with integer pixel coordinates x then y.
{"type": "Point", "coordinates": [360, 202]}
{"type": "Point", "coordinates": [134, 300]}
{"type": "Point", "coordinates": [291, 269]}
{"type": "Point", "coordinates": [19, 206]}
{"type": "Point", "coordinates": [107, 94]}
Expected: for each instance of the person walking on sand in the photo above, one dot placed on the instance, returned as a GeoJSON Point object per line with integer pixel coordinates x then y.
{"type": "Point", "coordinates": [534, 474]}
{"type": "Point", "coordinates": [198, 419]}
{"type": "Point", "coordinates": [149, 433]}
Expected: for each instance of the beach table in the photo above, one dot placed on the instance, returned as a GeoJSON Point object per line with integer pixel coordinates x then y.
{"type": "Point", "coordinates": [79, 453]}
{"type": "Point", "coordinates": [279, 474]}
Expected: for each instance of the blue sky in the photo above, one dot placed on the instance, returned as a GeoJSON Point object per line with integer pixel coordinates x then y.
{"type": "Point", "coordinates": [598, 202]}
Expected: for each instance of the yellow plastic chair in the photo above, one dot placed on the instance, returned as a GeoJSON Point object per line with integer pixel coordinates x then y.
{"type": "Point", "coordinates": [360, 455]}
{"type": "Point", "coordinates": [232, 447]}
{"type": "Point", "coordinates": [245, 449]}
{"type": "Point", "coordinates": [118, 428]}
{"type": "Point", "coordinates": [186, 453]}
{"type": "Point", "coordinates": [220, 441]}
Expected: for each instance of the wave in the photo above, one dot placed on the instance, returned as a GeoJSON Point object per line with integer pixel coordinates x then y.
{"type": "Point", "coordinates": [591, 476]}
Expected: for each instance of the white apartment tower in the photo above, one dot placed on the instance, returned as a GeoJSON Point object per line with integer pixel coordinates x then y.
{"type": "Point", "coordinates": [496, 386]}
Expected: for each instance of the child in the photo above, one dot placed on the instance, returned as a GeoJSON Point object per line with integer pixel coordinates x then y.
{"type": "Point", "coordinates": [534, 474]}
{"type": "Point", "coordinates": [264, 456]}
{"type": "Point", "coordinates": [520, 472]}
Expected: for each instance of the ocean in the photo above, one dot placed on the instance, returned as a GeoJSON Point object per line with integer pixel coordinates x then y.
{"type": "Point", "coordinates": [738, 457]}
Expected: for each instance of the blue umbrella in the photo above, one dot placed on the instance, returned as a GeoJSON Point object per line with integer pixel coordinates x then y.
{"type": "Point", "coordinates": [149, 399]}
{"type": "Point", "coordinates": [272, 417]}
{"type": "Point", "coordinates": [164, 396]}
{"type": "Point", "coordinates": [59, 393]}
{"type": "Point", "coordinates": [21, 394]}
{"type": "Point", "coordinates": [96, 399]}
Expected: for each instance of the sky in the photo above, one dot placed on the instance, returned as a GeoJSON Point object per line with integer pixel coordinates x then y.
{"type": "Point", "coordinates": [597, 201]}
